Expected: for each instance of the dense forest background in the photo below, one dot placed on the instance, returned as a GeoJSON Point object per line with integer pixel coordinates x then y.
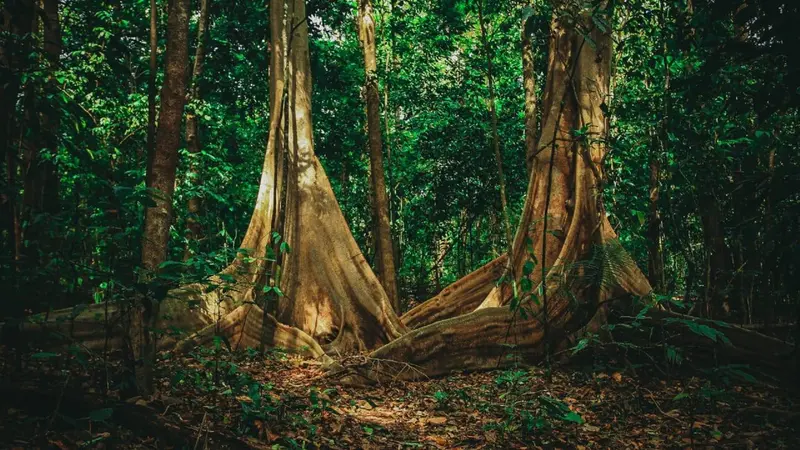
{"type": "Point", "coordinates": [703, 168]}
{"type": "Point", "coordinates": [700, 175]}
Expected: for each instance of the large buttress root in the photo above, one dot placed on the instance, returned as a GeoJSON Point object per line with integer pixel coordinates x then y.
{"type": "Point", "coordinates": [459, 298]}
{"type": "Point", "coordinates": [331, 292]}
{"type": "Point", "coordinates": [244, 327]}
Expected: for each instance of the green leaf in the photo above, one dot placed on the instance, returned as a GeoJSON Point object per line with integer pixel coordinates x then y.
{"type": "Point", "coordinates": [573, 417]}
{"type": "Point", "coordinates": [527, 269]}
{"type": "Point", "coordinates": [44, 355]}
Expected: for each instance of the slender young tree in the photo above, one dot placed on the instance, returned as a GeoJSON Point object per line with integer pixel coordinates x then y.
{"type": "Point", "coordinates": [40, 176]}
{"type": "Point", "coordinates": [161, 182]}
{"type": "Point", "coordinates": [193, 143]}
{"type": "Point", "coordinates": [51, 119]}
{"type": "Point", "coordinates": [498, 158]}
{"type": "Point", "coordinates": [384, 251]}
{"type": "Point", "coordinates": [529, 83]}
{"type": "Point", "coordinates": [151, 82]}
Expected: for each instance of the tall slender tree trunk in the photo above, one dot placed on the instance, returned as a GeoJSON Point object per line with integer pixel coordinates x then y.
{"type": "Point", "coordinates": [51, 119]}
{"type": "Point", "coordinates": [498, 158]}
{"type": "Point", "coordinates": [193, 143]}
{"type": "Point", "coordinates": [717, 257]}
{"type": "Point", "coordinates": [161, 183]}
{"type": "Point", "coordinates": [17, 18]}
{"type": "Point", "coordinates": [384, 250]}
{"type": "Point", "coordinates": [655, 250]}
{"type": "Point", "coordinates": [40, 177]}
{"type": "Point", "coordinates": [655, 258]}
{"type": "Point", "coordinates": [529, 83]}
{"type": "Point", "coordinates": [151, 83]}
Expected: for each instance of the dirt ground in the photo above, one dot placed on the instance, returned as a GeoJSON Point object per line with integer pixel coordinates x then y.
{"type": "Point", "coordinates": [216, 399]}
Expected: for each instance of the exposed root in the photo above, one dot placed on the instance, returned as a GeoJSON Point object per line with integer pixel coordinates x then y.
{"type": "Point", "coordinates": [459, 298]}
{"type": "Point", "coordinates": [242, 327]}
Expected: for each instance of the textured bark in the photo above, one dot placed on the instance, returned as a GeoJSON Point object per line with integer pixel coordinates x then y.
{"type": "Point", "coordinates": [244, 328]}
{"type": "Point", "coordinates": [193, 144]}
{"type": "Point", "coordinates": [161, 182]}
{"type": "Point", "coordinates": [384, 251]}
{"type": "Point", "coordinates": [331, 292]}
{"type": "Point", "coordinates": [529, 83]}
{"type": "Point", "coordinates": [459, 298]}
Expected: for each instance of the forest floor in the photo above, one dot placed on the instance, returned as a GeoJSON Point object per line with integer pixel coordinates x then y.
{"type": "Point", "coordinates": [217, 399]}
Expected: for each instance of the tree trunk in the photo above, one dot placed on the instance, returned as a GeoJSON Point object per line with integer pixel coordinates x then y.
{"type": "Point", "coordinates": [151, 83]}
{"type": "Point", "coordinates": [161, 183]}
{"type": "Point", "coordinates": [498, 158]}
{"type": "Point", "coordinates": [384, 251]}
{"type": "Point", "coordinates": [575, 244]}
{"type": "Point", "coordinates": [717, 254]}
{"type": "Point", "coordinates": [51, 119]}
{"type": "Point", "coordinates": [40, 182]}
{"type": "Point", "coordinates": [529, 82]}
{"type": "Point", "coordinates": [655, 257]}
{"type": "Point", "coordinates": [193, 144]}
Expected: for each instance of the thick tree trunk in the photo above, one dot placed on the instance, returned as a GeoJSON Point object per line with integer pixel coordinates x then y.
{"type": "Point", "coordinates": [384, 251]}
{"type": "Point", "coordinates": [575, 245]}
{"type": "Point", "coordinates": [161, 182]}
{"type": "Point", "coordinates": [193, 144]}
{"type": "Point", "coordinates": [331, 292]}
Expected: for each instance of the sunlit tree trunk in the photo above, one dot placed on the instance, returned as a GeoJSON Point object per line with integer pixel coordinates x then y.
{"type": "Point", "coordinates": [161, 182]}
{"type": "Point", "coordinates": [384, 250]}
{"type": "Point", "coordinates": [193, 143]}
{"type": "Point", "coordinates": [529, 83]}
{"type": "Point", "coordinates": [565, 189]}
{"type": "Point", "coordinates": [498, 158]}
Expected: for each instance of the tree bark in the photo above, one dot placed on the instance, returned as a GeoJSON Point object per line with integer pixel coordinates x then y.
{"type": "Point", "coordinates": [529, 83]}
{"type": "Point", "coordinates": [193, 207]}
{"type": "Point", "coordinates": [496, 137]}
{"type": "Point", "coordinates": [161, 183]}
{"type": "Point", "coordinates": [151, 83]}
{"type": "Point", "coordinates": [384, 250]}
